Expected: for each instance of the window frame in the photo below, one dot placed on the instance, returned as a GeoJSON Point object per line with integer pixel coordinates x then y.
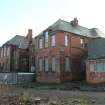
{"type": "Point", "coordinates": [53, 40]}
{"type": "Point", "coordinates": [40, 43]}
{"type": "Point", "coordinates": [92, 67]}
{"type": "Point", "coordinates": [46, 38]}
{"type": "Point", "coordinates": [2, 51]}
{"type": "Point", "coordinates": [67, 69]}
{"type": "Point", "coordinates": [46, 58]}
{"type": "Point", "coordinates": [99, 66]}
{"type": "Point", "coordinates": [40, 64]}
{"type": "Point", "coordinates": [82, 42]}
{"type": "Point", "coordinates": [53, 64]}
{"type": "Point", "coordinates": [66, 40]}
{"type": "Point", "coordinates": [5, 52]}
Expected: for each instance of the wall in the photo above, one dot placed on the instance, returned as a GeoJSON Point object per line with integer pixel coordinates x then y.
{"type": "Point", "coordinates": [16, 78]}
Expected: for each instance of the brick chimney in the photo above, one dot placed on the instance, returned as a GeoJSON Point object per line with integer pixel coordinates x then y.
{"type": "Point", "coordinates": [29, 35]}
{"type": "Point", "coordinates": [74, 22]}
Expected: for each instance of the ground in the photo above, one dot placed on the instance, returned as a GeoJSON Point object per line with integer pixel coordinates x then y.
{"type": "Point", "coordinates": [13, 95]}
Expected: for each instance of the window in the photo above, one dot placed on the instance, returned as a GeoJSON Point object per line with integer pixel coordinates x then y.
{"type": "Point", "coordinates": [1, 52]}
{"type": "Point", "coordinates": [4, 51]}
{"type": "Point", "coordinates": [46, 64]}
{"type": "Point", "coordinates": [92, 67]}
{"type": "Point", "coordinates": [53, 64]}
{"type": "Point", "coordinates": [104, 66]}
{"type": "Point", "coordinates": [66, 40]}
{"type": "Point", "coordinates": [82, 42]}
{"type": "Point", "coordinates": [40, 64]}
{"type": "Point", "coordinates": [67, 64]}
{"type": "Point", "coordinates": [40, 43]}
{"type": "Point", "coordinates": [46, 39]}
{"type": "Point", "coordinates": [53, 40]}
{"type": "Point", "coordinates": [100, 67]}
{"type": "Point", "coordinates": [8, 51]}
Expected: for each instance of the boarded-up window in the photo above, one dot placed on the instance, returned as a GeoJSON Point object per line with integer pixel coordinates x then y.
{"type": "Point", "coordinates": [46, 39]}
{"type": "Point", "coordinates": [67, 64]}
{"type": "Point", "coordinates": [53, 64]}
{"type": "Point", "coordinates": [40, 64]}
{"type": "Point", "coordinates": [46, 64]}
{"type": "Point", "coordinates": [92, 67]}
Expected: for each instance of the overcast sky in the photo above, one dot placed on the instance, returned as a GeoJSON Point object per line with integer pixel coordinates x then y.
{"type": "Point", "coordinates": [17, 16]}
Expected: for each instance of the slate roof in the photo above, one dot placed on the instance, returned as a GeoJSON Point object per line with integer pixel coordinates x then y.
{"type": "Point", "coordinates": [96, 48]}
{"type": "Point", "coordinates": [79, 30]}
{"type": "Point", "coordinates": [19, 41]}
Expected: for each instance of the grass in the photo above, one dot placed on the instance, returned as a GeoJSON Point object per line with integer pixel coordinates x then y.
{"type": "Point", "coordinates": [74, 100]}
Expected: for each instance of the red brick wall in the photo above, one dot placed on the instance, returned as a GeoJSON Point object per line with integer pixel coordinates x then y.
{"type": "Point", "coordinates": [73, 50]}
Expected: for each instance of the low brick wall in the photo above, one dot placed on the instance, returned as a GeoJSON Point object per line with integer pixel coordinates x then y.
{"type": "Point", "coordinates": [16, 78]}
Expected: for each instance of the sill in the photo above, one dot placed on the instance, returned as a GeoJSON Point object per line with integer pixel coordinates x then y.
{"type": "Point", "coordinates": [50, 71]}
{"type": "Point", "coordinates": [68, 71]}
{"type": "Point", "coordinates": [53, 46]}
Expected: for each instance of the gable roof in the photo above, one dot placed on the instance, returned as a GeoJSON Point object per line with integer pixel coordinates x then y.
{"type": "Point", "coordinates": [79, 30]}
{"type": "Point", "coordinates": [96, 48]}
{"type": "Point", "coordinates": [19, 41]}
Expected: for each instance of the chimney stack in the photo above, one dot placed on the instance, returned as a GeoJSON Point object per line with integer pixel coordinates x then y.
{"type": "Point", "coordinates": [74, 22]}
{"type": "Point", "coordinates": [29, 35]}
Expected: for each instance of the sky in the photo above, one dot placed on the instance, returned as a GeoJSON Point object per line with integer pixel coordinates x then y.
{"type": "Point", "coordinates": [17, 16]}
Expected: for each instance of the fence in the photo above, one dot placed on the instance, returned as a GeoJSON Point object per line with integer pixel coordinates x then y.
{"type": "Point", "coordinates": [16, 78]}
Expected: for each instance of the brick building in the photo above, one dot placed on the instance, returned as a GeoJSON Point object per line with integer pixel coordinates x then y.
{"type": "Point", "coordinates": [17, 55]}
{"type": "Point", "coordinates": [61, 51]}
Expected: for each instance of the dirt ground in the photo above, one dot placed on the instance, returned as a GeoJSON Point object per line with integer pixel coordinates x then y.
{"type": "Point", "coordinates": [59, 97]}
